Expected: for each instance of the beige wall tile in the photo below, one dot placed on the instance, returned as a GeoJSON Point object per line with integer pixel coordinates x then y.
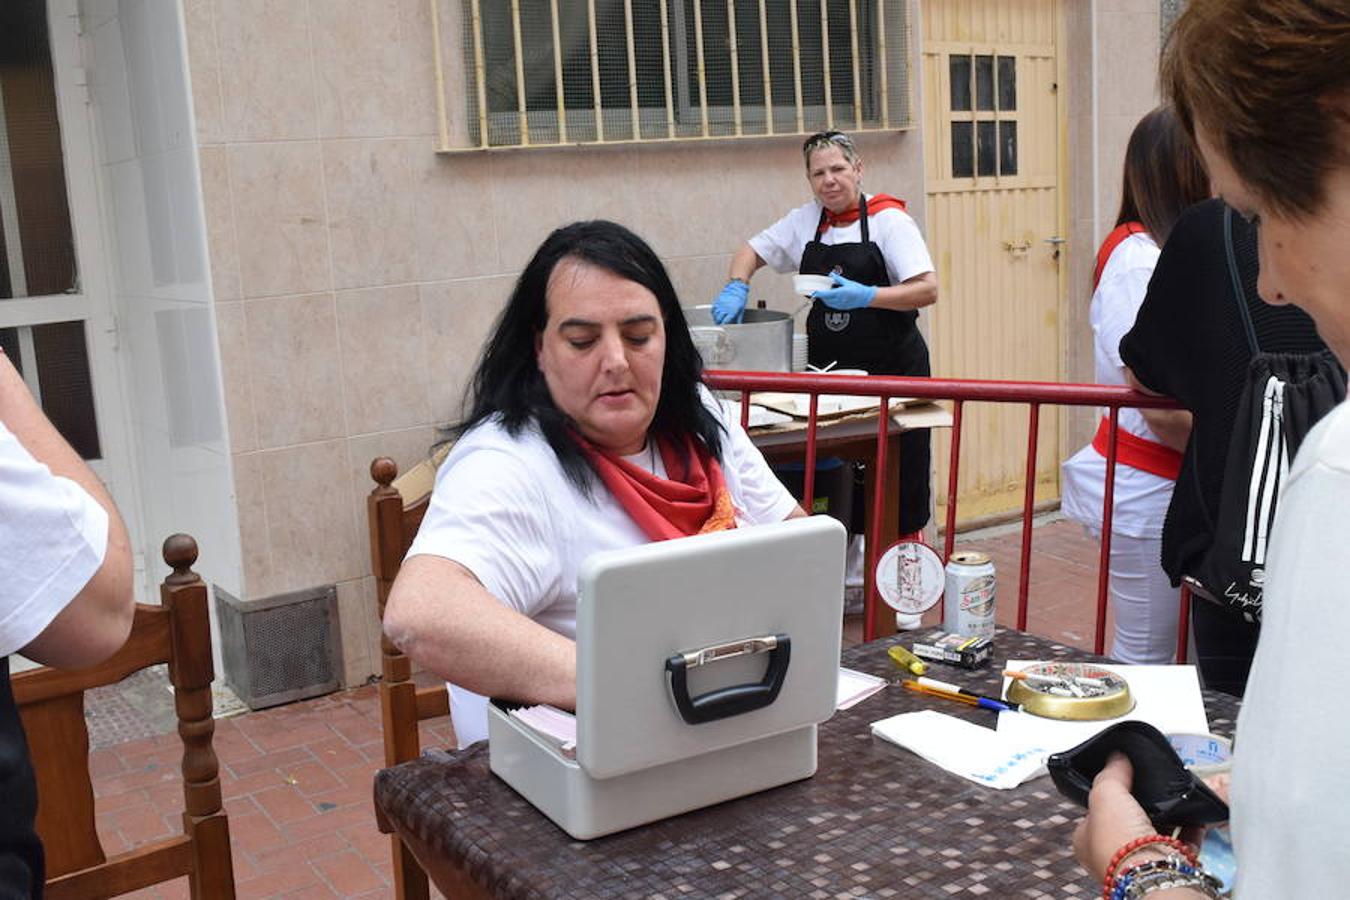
{"type": "Point", "coordinates": [535, 192]}
{"type": "Point", "coordinates": [373, 59]}
{"type": "Point", "coordinates": [280, 221]}
{"type": "Point", "coordinates": [457, 317]}
{"type": "Point", "coordinates": [258, 580]}
{"type": "Point", "coordinates": [204, 64]}
{"type": "Point", "coordinates": [458, 226]}
{"type": "Point", "coordinates": [236, 375]}
{"type": "Point", "coordinates": [266, 70]}
{"type": "Point", "coordinates": [702, 200]}
{"type": "Point", "coordinates": [222, 246]}
{"type": "Point", "coordinates": [382, 348]}
{"type": "Point", "coordinates": [311, 534]}
{"type": "Point", "coordinates": [359, 620]}
{"type": "Point", "coordinates": [293, 355]}
{"type": "Point", "coordinates": [372, 211]}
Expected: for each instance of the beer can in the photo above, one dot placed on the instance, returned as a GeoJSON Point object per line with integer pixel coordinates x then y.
{"type": "Point", "coordinates": [968, 607]}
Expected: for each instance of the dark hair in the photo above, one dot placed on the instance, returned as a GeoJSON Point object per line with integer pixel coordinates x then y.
{"type": "Point", "coordinates": [508, 383]}
{"type": "Point", "coordinates": [1269, 82]}
{"type": "Point", "coordinates": [1163, 175]}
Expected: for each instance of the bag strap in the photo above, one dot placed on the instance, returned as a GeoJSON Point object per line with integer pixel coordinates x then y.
{"type": "Point", "coordinates": [1239, 295]}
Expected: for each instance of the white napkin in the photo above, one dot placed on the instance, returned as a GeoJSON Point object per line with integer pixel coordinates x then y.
{"type": "Point", "coordinates": [963, 748]}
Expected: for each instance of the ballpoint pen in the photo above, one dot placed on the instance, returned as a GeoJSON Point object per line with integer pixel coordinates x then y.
{"type": "Point", "coordinates": [950, 688]}
{"type": "Point", "coordinates": [959, 696]}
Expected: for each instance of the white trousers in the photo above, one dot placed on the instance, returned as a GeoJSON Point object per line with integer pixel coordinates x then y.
{"type": "Point", "coordinates": [1144, 602]}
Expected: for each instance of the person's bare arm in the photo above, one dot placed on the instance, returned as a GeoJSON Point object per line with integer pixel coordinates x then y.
{"type": "Point", "coordinates": [913, 293]}
{"type": "Point", "coordinates": [744, 264]}
{"type": "Point", "coordinates": [1172, 426]}
{"type": "Point", "coordinates": [97, 621]}
{"type": "Point", "coordinates": [442, 617]}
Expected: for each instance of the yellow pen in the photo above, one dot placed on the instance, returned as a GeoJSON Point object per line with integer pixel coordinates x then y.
{"type": "Point", "coordinates": [906, 660]}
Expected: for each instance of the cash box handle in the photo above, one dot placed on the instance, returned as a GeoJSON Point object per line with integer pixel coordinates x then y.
{"type": "Point", "coordinates": [737, 698]}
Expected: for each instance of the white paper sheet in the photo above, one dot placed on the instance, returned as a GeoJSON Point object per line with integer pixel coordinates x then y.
{"type": "Point", "coordinates": [983, 755]}
{"type": "Point", "coordinates": [759, 415]}
{"type": "Point", "coordinates": [854, 687]}
{"type": "Point", "coordinates": [1167, 697]}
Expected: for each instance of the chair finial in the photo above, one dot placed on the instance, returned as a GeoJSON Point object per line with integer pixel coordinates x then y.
{"type": "Point", "coordinates": [180, 552]}
{"type": "Point", "coordinates": [384, 470]}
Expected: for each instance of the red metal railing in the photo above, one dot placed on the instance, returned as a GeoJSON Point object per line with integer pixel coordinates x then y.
{"type": "Point", "coordinates": [1034, 394]}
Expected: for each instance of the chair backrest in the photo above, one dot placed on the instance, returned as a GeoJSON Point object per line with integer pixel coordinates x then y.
{"type": "Point", "coordinates": [51, 704]}
{"type": "Point", "coordinates": [393, 525]}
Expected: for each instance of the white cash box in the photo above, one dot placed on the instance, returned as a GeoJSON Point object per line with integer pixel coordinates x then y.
{"type": "Point", "coordinates": [704, 665]}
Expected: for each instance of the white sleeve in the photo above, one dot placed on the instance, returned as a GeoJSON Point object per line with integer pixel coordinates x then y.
{"type": "Point", "coordinates": [53, 536]}
{"type": "Point", "coordinates": [489, 514]}
{"type": "Point", "coordinates": [1117, 300]}
{"type": "Point", "coordinates": [781, 244]}
{"type": "Point", "coordinates": [902, 245]}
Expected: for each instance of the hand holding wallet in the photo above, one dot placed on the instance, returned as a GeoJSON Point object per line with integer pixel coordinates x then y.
{"type": "Point", "coordinates": [1170, 794]}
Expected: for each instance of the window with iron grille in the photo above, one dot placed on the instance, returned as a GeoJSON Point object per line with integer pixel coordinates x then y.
{"type": "Point", "coordinates": [548, 72]}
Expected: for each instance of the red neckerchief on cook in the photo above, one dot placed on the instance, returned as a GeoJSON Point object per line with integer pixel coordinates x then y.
{"type": "Point", "coordinates": [875, 204]}
{"type": "Point", "coordinates": [693, 500]}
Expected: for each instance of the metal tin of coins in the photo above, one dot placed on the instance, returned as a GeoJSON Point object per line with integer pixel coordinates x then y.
{"type": "Point", "coordinates": [969, 605]}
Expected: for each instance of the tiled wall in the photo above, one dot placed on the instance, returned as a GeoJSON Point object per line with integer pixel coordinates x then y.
{"type": "Point", "coordinates": [356, 272]}
{"type": "Point", "coordinates": [134, 54]}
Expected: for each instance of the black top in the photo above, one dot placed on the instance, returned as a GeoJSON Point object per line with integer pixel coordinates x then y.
{"type": "Point", "coordinates": [20, 852]}
{"type": "Point", "coordinates": [1188, 342]}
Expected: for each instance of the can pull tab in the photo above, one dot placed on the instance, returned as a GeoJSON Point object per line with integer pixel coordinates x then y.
{"type": "Point", "coordinates": [761, 304]}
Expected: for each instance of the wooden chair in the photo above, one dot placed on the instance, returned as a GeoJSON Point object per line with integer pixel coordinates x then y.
{"type": "Point", "coordinates": [393, 524]}
{"type": "Point", "coordinates": [51, 704]}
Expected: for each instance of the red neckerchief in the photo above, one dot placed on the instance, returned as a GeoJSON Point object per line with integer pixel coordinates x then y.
{"type": "Point", "coordinates": [875, 204]}
{"type": "Point", "coordinates": [1118, 234]}
{"type": "Point", "coordinates": [693, 500]}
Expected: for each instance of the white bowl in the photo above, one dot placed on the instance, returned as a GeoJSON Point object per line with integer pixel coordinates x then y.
{"type": "Point", "coordinates": [806, 285]}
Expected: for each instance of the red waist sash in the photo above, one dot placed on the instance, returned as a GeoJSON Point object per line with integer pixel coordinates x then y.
{"type": "Point", "coordinates": [1137, 452]}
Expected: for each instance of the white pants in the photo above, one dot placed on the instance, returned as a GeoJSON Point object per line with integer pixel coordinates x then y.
{"type": "Point", "coordinates": [1145, 603]}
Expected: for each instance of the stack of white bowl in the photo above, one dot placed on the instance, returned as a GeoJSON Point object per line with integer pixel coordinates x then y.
{"type": "Point", "coordinates": [799, 353]}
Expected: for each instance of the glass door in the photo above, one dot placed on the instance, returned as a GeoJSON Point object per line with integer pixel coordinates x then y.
{"type": "Point", "coordinates": [56, 321]}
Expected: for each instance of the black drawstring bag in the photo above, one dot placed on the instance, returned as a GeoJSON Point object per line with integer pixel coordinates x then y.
{"type": "Point", "coordinates": [1284, 396]}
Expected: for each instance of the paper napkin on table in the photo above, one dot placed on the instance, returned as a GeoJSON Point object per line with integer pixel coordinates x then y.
{"type": "Point", "coordinates": [963, 748]}
{"type": "Point", "coordinates": [854, 687]}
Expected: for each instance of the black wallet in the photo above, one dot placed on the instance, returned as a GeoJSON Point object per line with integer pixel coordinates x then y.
{"type": "Point", "coordinates": [1169, 792]}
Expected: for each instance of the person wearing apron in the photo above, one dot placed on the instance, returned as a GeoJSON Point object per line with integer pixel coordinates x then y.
{"type": "Point", "coordinates": [883, 275]}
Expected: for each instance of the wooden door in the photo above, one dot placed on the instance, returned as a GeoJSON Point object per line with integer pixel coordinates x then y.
{"type": "Point", "coordinates": [993, 175]}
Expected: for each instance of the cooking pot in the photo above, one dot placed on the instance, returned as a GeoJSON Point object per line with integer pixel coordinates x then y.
{"type": "Point", "coordinates": [762, 342]}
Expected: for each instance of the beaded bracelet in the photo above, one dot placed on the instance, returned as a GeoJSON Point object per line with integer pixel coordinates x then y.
{"type": "Point", "coordinates": [1137, 844]}
{"type": "Point", "coordinates": [1164, 874]}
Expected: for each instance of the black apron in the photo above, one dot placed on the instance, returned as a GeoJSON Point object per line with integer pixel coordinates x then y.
{"type": "Point", "coordinates": [20, 851]}
{"type": "Point", "coordinates": [882, 341]}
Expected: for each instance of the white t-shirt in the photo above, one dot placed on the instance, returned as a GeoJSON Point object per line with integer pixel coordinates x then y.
{"type": "Point", "coordinates": [1291, 776]}
{"type": "Point", "coordinates": [781, 244]}
{"type": "Point", "coordinates": [52, 539]}
{"type": "Point", "coordinates": [1141, 498]}
{"type": "Point", "coordinates": [504, 510]}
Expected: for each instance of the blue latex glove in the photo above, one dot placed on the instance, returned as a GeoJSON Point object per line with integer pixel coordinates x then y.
{"type": "Point", "coordinates": [848, 294]}
{"type": "Point", "coordinates": [730, 304]}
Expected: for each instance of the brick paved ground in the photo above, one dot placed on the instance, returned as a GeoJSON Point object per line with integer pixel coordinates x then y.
{"type": "Point", "coordinates": [297, 779]}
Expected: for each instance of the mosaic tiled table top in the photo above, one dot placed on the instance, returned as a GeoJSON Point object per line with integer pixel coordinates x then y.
{"type": "Point", "coordinates": [875, 821]}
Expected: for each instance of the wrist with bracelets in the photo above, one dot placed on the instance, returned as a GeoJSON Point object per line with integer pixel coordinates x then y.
{"type": "Point", "coordinates": [1178, 849]}
{"type": "Point", "coordinates": [1144, 878]}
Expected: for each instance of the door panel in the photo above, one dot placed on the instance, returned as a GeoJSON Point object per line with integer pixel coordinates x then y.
{"type": "Point", "coordinates": [992, 175]}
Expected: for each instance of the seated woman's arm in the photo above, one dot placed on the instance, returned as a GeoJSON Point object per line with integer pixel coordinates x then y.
{"type": "Point", "coordinates": [440, 615]}
{"type": "Point", "coordinates": [1172, 426]}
